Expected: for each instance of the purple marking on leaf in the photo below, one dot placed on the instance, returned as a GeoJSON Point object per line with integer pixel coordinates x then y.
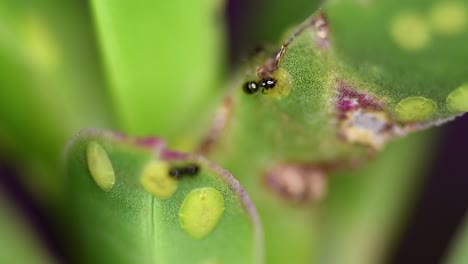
{"type": "Point", "coordinates": [154, 144]}
{"type": "Point", "coordinates": [120, 135]}
{"type": "Point", "coordinates": [349, 99]}
{"type": "Point", "coordinates": [220, 121]}
{"type": "Point", "coordinates": [346, 104]}
{"type": "Point", "coordinates": [167, 154]}
{"type": "Point", "coordinates": [150, 142]}
{"type": "Point", "coordinates": [322, 43]}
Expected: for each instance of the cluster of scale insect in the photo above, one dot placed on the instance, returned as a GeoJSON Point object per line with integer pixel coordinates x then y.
{"type": "Point", "coordinates": [181, 171]}
{"type": "Point", "coordinates": [252, 87]}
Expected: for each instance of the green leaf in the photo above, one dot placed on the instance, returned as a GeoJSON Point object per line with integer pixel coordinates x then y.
{"type": "Point", "coordinates": [19, 243]}
{"type": "Point", "coordinates": [163, 59]}
{"type": "Point", "coordinates": [364, 213]}
{"type": "Point", "coordinates": [401, 50]}
{"type": "Point", "coordinates": [326, 108]}
{"type": "Point", "coordinates": [126, 207]}
{"type": "Point", "coordinates": [457, 253]}
{"type": "Point", "coordinates": [51, 86]}
{"type": "Point", "coordinates": [321, 116]}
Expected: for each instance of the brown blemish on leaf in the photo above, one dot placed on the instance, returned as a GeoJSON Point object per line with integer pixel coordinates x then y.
{"type": "Point", "coordinates": [372, 128]}
{"type": "Point", "coordinates": [222, 117]}
{"type": "Point", "coordinates": [271, 65]}
{"type": "Point", "coordinates": [319, 24]}
{"type": "Point", "coordinates": [298, 183]}
{"type": "Point", "coordinates": [362, 118]}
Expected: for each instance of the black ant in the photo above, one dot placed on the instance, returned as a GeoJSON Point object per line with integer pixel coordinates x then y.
{"type": "Point", "coordinates": [253, 87]}
{"type": "Point", "coordinates": [179, 172]}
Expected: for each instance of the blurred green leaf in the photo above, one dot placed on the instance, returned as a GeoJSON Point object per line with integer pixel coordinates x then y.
{"type": "Point", "coordinates": [51, 86]}
{"type": "Point", "coordinates": [363, 214]}
{"type": "Point", "coordinates": [458, 253]}
{"type": "Point", "coordinates": [131, 210]}
{"type": "Point", "coordinates": [19, 243]}
{"type": "Point", "coordinates": [164, 62]}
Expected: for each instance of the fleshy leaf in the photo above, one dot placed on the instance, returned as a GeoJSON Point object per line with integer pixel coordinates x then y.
{"type": "Point", "coordinates": [363, 214]}
{"type": "Point", "coordinates": [167, 52]}
{"type": "Point", "coordinates": [332, 99]}
{"type": "Point", "coordinates": [398, 50]}
{"type": "Point", "coordinates": [134, 201]}
{"type": "Point", "coordinates": [329, 98]}
{"type": "Point", "coordinates": [51, 87]}
{"type": "Point", "coordinates": [20, 243]}
{"type": "Point", "coordinates": [458, 253]}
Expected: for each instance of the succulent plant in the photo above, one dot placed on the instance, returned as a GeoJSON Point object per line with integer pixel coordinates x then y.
{"type": "Point", "coordinates": [276, 168]}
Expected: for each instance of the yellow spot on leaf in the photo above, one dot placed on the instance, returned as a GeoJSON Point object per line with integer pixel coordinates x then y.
{"type": "Point", "coordinates": [100, 166]}
{"type": "Point", "coordinates": [39, 43]}
{"type": "Point", "coordinates": [410, 31]}
{"type": "Point", "coordinates": [157, 181]}
{"type": "Point", "coordinates": [201, 211]}
{"type": "Point", "coordinates": [414, 109]}
{"type": "Point", "coordinates": [283, 84]}
{"type": "Point", "coordinates": [457, 100]}
{"type": "Point", "coordinates": [449, 17]}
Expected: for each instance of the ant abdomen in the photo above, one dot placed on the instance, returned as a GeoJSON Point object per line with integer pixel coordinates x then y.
{"type": "Point", "coordinates": [252, 87]}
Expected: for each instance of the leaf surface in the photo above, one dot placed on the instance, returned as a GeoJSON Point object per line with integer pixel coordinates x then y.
{"type": "Point", "coordinates": [138, 212]}
{"type": "Point", "coordinates": [163, 59]}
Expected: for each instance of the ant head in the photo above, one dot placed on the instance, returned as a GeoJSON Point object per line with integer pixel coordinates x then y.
{"type": "Point", "coordinates": [268, 83]}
